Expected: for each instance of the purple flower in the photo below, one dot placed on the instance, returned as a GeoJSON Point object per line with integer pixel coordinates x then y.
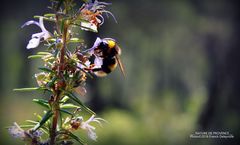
{"type": "Point", "coordinates": [85, 125]}
{"type": "Point", "coordinates": [92, 13]}
{"type": "Point", "coordinates": [36, 38]}
{"type": "Point", "coordinates": [17, 132]}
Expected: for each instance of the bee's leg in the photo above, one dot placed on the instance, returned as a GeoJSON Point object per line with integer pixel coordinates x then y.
{"type": "Point", "coordinates": [90, 67]}
{"type": "Point", "coordinates": [96, 69]}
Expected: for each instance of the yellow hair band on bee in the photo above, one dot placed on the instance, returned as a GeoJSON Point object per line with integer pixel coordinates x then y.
{"type": "Point", "coordinates": [111, 43]}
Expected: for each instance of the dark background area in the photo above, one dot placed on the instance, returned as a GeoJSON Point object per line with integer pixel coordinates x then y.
{"type": "Point", "coordinates": [182, 60]}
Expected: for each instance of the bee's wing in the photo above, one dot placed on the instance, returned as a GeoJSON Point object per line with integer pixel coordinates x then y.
{"type": "Point", "coordinates": [81, 91]}
{"type": "Point", "coordinates": [120, 65]}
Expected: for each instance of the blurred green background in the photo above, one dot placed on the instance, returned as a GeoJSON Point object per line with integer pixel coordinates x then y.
{"type": "Point", "coordinates": [182, 60]}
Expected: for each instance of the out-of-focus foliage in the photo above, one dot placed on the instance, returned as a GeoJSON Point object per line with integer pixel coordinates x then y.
{"type": "Point", "coordinates": [167, 66]}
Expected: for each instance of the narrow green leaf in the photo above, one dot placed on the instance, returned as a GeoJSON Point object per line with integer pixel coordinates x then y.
{"type": "Point", "coordinates": [64, 99]}
{"type": "Point", "coordinates": [29, 89]}
{"type": "Point", "coordinates": [43, 53]}
{"type": "Point", "coordinates": [56, 52]}
{"type": "Point", "coordinates": [45, 130]}
{"type": "Point", "coordinates": [49, 15]}
{"type": "Point", "coordinates": [67, 112]}
{"type": "Point", "coordinates": [32, 121]}
{"type": "Point", "coordinates": [39, 117]}
{"type": "Point", "coordinates": [60, 120]}
{"type": "Point", "coordinates": [23, 126]}
{"type": "Point", "coordinates": [51, 46]}
{"type": "Point", "coordinates": [45, 69]}
{"type": "Point", "coordinates": [51, 83]}
{"type": "Point", "coordinates": [42, 102]}
{"type": "Point", "coordinates": [45, 18]}
{"type": "Point", "coordinates": [75, 98]}
{"type": "Point", "coordinates": [68, 106]}
{"type": "Point", "coordinates": [76, 40]}
{"type": "Point", "coordinates": [35, 56]}
{"type": "Point", "coordinates": [79, 140]}
{"type": "Point", "coordinates": [26, 126]}
{"type": "Point", "coordinates": [45, 118]}
{"type": "Point", "coordinates": [68, 133]}
{"type": "Point", "coordinates": [52, 40]}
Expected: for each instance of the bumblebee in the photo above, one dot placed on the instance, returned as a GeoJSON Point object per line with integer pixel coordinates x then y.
{"type": "Point", "coordinates": [105, 57]}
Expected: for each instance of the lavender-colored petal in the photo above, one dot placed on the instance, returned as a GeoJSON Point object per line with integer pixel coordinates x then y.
{"type": "Point", "coordinates": [101, 20]}
{"type": "Point", "coordinates": [80, 65]}
{"type": "Point", "coordinates": [33, 43]}
{"type": "Point", "coordinates": [104, 3]}
{"type": "Point", "coordinates": [86, 64]}
{"type": "Point", "coordinates": [46, 35]}
{"type": "Point", "coordinates": [92, 135]}
{"type": "Point", "coordinates": [41, 25]}
{"type": "Point", "coordinates": [96, 43]}
{"type": "Point", "coordinates": [108, 12]}
{"type": "Point", "coordinates": [98, 62]}
{"type": "Point", "coordinates": [17, 132]}
{"type": "Point", "coordinates": [30, 23]}
{"type": "Point", "coordinates": [37, 133]}
{"type": "Point", "coordinates": [98, 122]}
{"type": "Point", "coordinates": [90, 127]}
{"type": "Point", "coordinates": [101, 119]}
{"type": "Point", "coordinates": [38, 35]}
{"type": "Point", "coordinates": [90, 119]}
{"type": "Point", "coordinates": [99, 7]}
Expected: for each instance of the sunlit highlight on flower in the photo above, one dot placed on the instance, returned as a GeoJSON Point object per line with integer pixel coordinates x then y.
{"type": "Point", "coordinates": [36, 38]}
{"type": "Point", "coordinates": [89, 128]}
{"type": "Point", "coordinates": [86, 26]}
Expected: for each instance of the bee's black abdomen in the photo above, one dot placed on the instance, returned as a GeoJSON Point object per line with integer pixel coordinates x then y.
{"type": "Point", "coordinates": [108, 64]}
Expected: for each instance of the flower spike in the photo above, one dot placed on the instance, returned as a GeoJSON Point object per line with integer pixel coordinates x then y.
{"type": "Point", "coordinates": [67, 64]}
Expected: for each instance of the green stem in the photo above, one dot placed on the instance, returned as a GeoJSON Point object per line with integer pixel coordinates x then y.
{"type": "Point", "coordinates": [57, 96]}
{"type": "Point", "coordinates": [54, 121]}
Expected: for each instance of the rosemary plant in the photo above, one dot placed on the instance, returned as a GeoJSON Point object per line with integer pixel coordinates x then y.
{"type": "Point", "coordinates": [65, 71]}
